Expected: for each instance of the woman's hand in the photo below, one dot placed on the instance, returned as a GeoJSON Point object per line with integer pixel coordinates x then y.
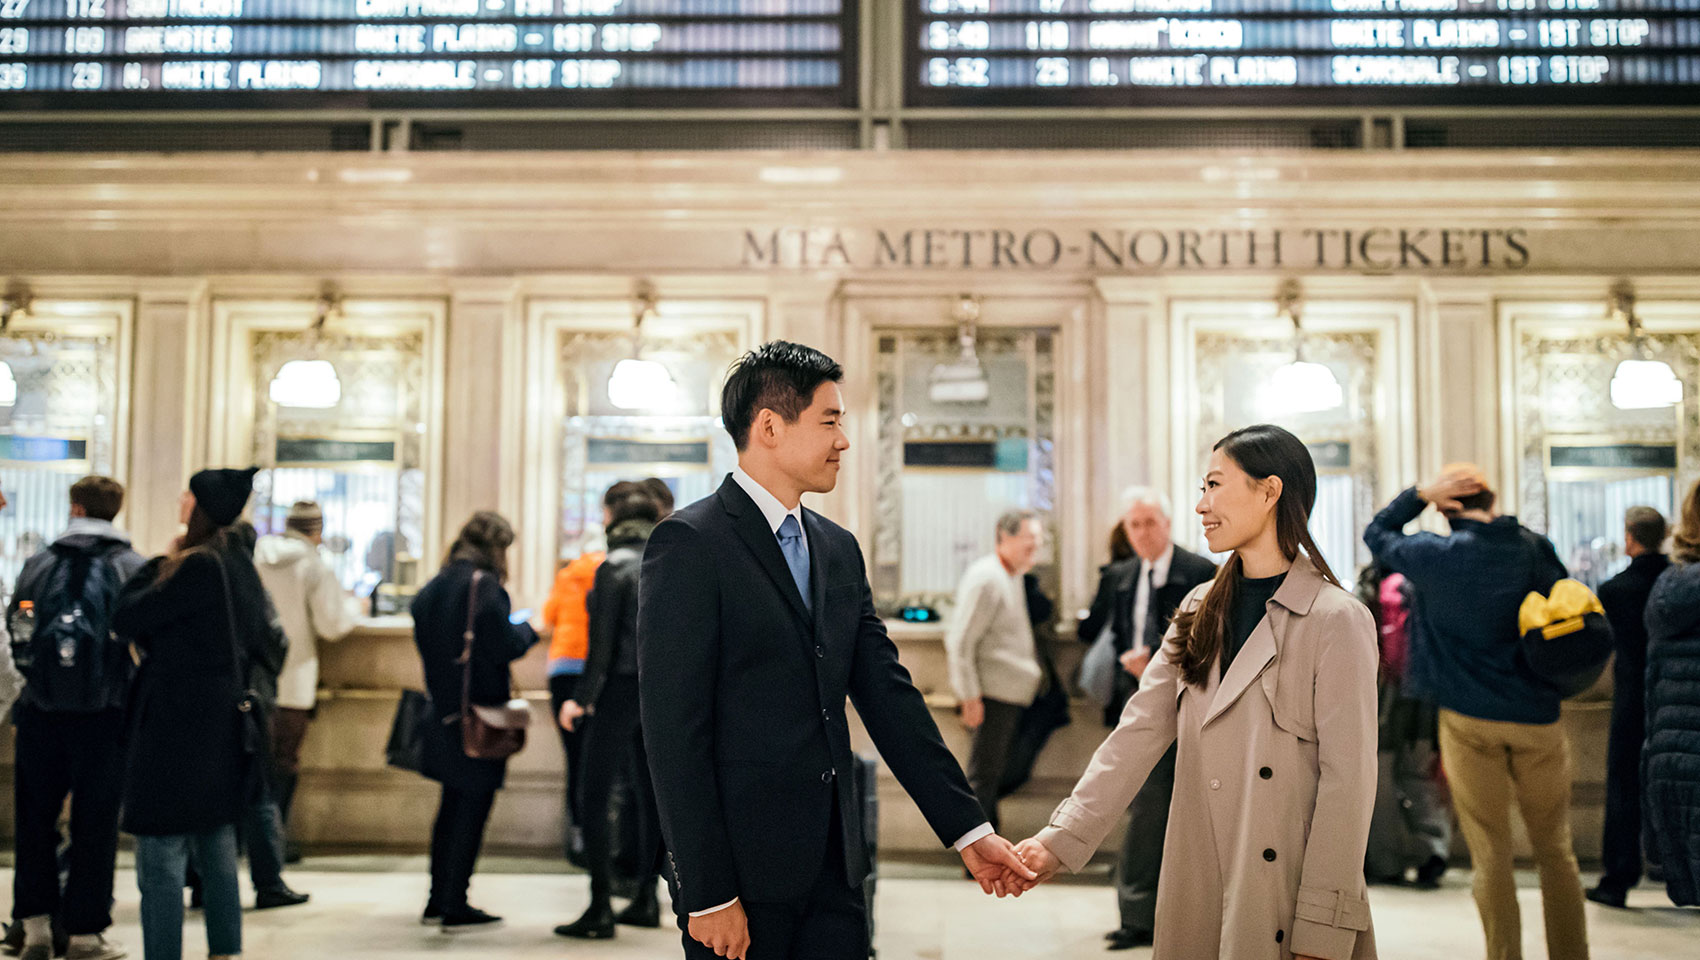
{"type": "Point", "coordinates": [1039, 859]}
{"type": "Point", "coordinates": [571, 713]}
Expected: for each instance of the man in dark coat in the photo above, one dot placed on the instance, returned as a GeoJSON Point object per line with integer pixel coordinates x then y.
{"type": "Point", "coordinates": [1137, 597]}
{"type": "Point", "coordinates": [755, 622]}
{"type": "Point", "coordinates": [1625, 599]}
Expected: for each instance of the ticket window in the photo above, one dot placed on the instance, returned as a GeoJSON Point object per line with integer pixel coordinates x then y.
{"type": "Point", "coordinates": [602, 431]}
{"type": "Point", "coordinates": [964, 435]}
{"type": "Point", "coordinates": [344, 414]}
{"type": "Point", "coordinates": [1583, 460]}
{"type": "Point", "coordinates": [1236, 355]}
{"type": "Point", "coordinates": [60, 398]}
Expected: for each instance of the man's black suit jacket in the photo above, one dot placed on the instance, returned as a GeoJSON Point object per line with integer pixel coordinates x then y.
{"type": "Point", "coordinates": [1118, 590]}
{"type": "Point", "coordinates": [743, 698]}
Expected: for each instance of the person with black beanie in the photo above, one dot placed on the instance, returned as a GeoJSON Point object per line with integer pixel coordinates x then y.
{"type": "Point", "coordinates": [195, 761]}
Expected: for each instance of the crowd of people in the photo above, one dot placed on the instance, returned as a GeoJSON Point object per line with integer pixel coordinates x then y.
{"type": "Point", "coordinates": [699, 665]}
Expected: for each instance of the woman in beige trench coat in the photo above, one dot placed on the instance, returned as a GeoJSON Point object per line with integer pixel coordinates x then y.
{"type": "Point", "coordinates": [1275, 770]}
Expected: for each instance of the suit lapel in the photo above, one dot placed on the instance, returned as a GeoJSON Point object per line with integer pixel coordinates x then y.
{"type": "Point", "coordinates": [817, 572]}
{"type": "Point", "coordinates": [1258, 652]}
{"type": "Point", "coordinates": [752, 528]}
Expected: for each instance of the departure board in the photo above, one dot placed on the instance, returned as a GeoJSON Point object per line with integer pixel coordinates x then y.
{"type": "Point", "coordinates": [426, 53]}
{"type": "Point", "coordinates": [1303, 52]}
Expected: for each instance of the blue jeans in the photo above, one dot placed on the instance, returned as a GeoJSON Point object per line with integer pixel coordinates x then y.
{"type": "Point", "coordinates": [161, 864]}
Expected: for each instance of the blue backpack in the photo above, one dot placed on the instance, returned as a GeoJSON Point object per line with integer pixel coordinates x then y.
{"type": "Point", "coordinates": [71, 661]}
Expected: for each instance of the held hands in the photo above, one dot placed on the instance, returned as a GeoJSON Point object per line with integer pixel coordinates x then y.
{"type": "Point", "coordinates": [571, 713]}
{"type": "Point", "coordinates": [973, 713]}
{"type": "Point", "coordinates": [1135, 662]}
{"type": "Point", "coordinates": [1039, 859]}
{"type": "Point", "coordinates": [995, 864]}
{"type": "Point", "coordinates": [726, 932]}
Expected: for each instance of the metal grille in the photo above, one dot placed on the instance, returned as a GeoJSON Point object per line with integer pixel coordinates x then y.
{"type": "Point", "coordinates": [161, 137]}
{"type": "Point", "coordinates": [1534, 130]}
{"type": "Point", "coordinates": [990, 133]}
{"type": "Point", "coordinates": [650, 135]}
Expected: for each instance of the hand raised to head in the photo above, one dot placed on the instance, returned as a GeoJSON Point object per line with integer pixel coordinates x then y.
{"type": "Point", "coordinates": [994, 863]}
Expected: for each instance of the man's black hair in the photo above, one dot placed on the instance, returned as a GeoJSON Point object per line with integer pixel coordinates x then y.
{"type": "Point", "coordinates": [778, 376]}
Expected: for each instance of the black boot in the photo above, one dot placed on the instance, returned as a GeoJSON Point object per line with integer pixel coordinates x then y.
{"type": "Point", "coordinates": [644, 910]}
{"type": "Point", "coordinates": [597, 923]}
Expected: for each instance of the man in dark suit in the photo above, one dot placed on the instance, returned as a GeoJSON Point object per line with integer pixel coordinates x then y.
{"type": "Point", "coordinates": [755, 622]}
{"type": "Point", "coordinates": [1625, 600]}
{"type": "Point", "coordinates": [1137, 598]}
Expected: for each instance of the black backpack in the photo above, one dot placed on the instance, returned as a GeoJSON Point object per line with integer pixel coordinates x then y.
{"type": "Point", "coordinates": [72, 663]}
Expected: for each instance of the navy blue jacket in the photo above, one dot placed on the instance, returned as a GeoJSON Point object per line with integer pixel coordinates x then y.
{"type": "Point", "coordinates": [1466, 655]}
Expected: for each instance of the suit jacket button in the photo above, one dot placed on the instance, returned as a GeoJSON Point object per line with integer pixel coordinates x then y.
{"type": "Point", "coordinates": [1266, 773]}
{"type": "Point", "coordinates": [1269, 855]}
{"type": "Point", "coordinates": [820, 651]}
{"type": "Point", "coordinates": [825, 714]}
{"type": "Point", "coordinates": [826, 777]}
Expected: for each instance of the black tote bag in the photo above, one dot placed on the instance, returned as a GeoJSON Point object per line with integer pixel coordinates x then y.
{"type": "Point", "coordinates": [406, 747]}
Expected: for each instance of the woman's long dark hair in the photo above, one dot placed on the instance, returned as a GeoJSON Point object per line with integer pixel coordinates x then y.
{"type": "Point", "coordinates": [484, 542]}
{"type": "Point", "coordinates": [201, 532]}
{"type": "Point", "coordinates": [1262, 451]}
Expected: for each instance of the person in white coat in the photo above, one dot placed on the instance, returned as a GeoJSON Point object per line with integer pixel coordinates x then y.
{"type": "Point", "coordinates": [311, 606]}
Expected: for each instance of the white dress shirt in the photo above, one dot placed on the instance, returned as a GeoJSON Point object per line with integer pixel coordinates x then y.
{"type": "Point", "coordinates": [775, 513]}
{"type": "Point", "coordinates": [1151, 577]}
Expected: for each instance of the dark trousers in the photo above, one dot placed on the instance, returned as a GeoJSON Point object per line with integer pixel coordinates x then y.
{"type": "Point", "coordinates": [1142, 848]}
{"type": "Point", "coordinates": [1620, 851]}
{"type": "Point", "coordinates": [456, 838]}
{"type": "Point", "coordinates": [827, 921]}
{"type": "Point", "coordinates": [289, 731]}
{"type": "Point", "coordinates": [989, 754]}
{"type": "Point", "coordinates": [613, 744]}
{"type": "Point", "coordinates": [562, 688]}
{"type": "Point", "coordinates": [79, 755]}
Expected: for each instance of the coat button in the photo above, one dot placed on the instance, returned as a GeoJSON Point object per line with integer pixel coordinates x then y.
{"type": "Point", "coordinates": [1215, 784]}
{"type": "Point", "coordinates": [824, 714]}
{"type": "Point", "coordinates": [1280, 935]}
{"type": "Point", "coordinates": [827, 776]}
{"type": "Point", "coordinates": [820, 652]}
{"type": "Point", "coordinates": [1266, 773]}
{"type": "Point", "coordinates": [1269, 855]}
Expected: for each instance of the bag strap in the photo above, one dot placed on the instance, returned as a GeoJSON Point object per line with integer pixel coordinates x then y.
{"type": "Point", "coordinates": [466, 651]}
{"type": "Point", "coordinates": [235, 645]}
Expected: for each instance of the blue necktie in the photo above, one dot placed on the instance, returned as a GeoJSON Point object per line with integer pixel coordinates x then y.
{"type": "Point", "coordinates": [796, 556]}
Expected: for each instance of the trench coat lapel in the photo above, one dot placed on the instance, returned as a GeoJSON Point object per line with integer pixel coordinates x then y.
{"type": "Point", "coordinates": [1295, 597]}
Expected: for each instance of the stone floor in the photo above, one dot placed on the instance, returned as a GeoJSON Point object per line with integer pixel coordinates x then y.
{"type": "Point", "coordinates": [369, 907]}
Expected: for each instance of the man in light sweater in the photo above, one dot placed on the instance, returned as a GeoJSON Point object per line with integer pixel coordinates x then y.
{"type": "Point", "coordinates": [989, 644]}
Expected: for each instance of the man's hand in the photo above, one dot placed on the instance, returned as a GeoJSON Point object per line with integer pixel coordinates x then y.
{"type": "Point", "coordinates": [1448, 488]}
{"type": "Point", "coordinates": [726, 932]}
{"type": "Point", "coordinates": [571, 713]}
{"type": "Point", "coordinates": [1039, 859]}
{"type": "Point", "coordinates": [1135, 661]}
{"type": "Point", "coordinates": [994, 863]}
{"type": "Point", "coordinates": [973, 713]}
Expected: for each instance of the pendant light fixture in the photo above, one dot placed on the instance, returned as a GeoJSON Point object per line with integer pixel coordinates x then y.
{"type": "Point", "coordinates": [1640, 383]}
{"type": "Point", "coordinates": [962, 380]}
{"type": "Point", "coordinates": [1300, 386]}
{"type": "Point", "coordinates": [311, 384]}
{"type": "Point", "coordinates": [636, 383]}
{"type": "Point", "coordinates": [14, 303]}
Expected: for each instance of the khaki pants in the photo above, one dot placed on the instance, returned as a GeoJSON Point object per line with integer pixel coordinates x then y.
{"type": "Point", "coordinates": [1488, 765]}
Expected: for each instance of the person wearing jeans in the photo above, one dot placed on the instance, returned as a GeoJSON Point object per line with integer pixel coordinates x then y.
{"type": "Point", "coordinates": [193, 763]}
{"type": "Point", "coordinates": [1500, 737]}
{"type": "Point", "coordinates": [161, 863]}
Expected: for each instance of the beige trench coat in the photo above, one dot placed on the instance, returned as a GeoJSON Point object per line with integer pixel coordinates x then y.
{"type": "Point", "coordinates": [1283, 743]}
